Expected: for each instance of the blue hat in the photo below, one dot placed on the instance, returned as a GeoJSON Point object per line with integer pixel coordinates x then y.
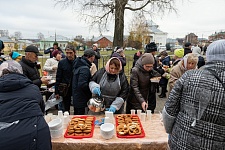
{"type": "Point", "coordinates": [15, 55]}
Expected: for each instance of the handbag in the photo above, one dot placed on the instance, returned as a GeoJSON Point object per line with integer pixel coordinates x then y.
{"type": "Point", "coordinates": [63, 89]}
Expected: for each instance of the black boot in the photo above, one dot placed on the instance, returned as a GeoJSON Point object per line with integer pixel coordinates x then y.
{"type": "Point", "coordinates": [163, 93]}
{"type": "Point", "coordinates": [162, 96]}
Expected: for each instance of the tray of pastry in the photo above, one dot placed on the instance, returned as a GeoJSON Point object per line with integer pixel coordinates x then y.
{"type": "Point", "coordinates": [129, 126]}
{"type": "Point", "coordinates": [80, 127]}
{"type": "Point", "coordinates": [155, 79]}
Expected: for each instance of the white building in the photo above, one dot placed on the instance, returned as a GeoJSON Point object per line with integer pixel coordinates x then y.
{"type": "Point", "coordinates": [48, 42]}
{"type": "Point", "coordinates": [156, 35]}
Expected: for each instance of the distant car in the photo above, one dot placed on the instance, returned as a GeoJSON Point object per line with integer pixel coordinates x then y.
{"type": "Point", "coordinates": [108, 48]}
{"type": "Point", "coordinates": [129, 48]}
{"type": "Point", "coordinates": [161, 48]}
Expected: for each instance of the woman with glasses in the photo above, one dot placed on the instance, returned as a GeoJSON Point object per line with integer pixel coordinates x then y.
{"type": "Point", "coordinates": [142, 91]}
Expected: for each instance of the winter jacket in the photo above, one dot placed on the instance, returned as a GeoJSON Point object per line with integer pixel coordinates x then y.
{"type": "Point", "coordinates": [194, 112]}
{"type": "Point", "coordinates": [186, 51]}
{"type": "Point", "coordinates": [97, 57]}
{"type": "Point", "coordinates": [140, 86]}
{"type": "Point", "coordinates": [50, 52]}
{"type": "Point", "coordinates": [22, 103]}
{"type": "Point", "coordinates": [31, 71]}
{"type": "Point", "coordinates": [175, 73]}
{"type": "Point", "coordinates": [48, 66]}
{"type": "Point", "coordinates": [166, 61]}
{"type": "Point", "coordinates": [124, 86]}
{"type": "Point", "coordinates": [64, 74]}
{"type": "Point", "coordinates": [201, 61]}
{"type": "Point", "coordinates": [80, 84]}
{"type": "Point", "coordinates": [121, 58]}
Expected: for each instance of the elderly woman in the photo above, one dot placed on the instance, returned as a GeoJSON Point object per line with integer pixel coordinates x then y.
{"type": "Point", "coordinates": [194, 112]}
{"type": "Point", "coordinates": [188, 62]}
{"type": "Point", "coordinates": [112, 84]}
{"type": "Point", "coordinates": [22, 125]}
{"type": "Point", "coordinates": [142, 90]}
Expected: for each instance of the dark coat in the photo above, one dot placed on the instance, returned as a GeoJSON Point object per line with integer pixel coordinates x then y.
{"type": "Point", "coordinates": [81, 78]}
{"type": "Point", "coordinates": [122, 59]}
{"type": "Point", "coordinates": [21, 100]}
{"type": "Point", "coordinates": [31, 71]}
{"type": "Point", "coordinates": [97, 57]}
{"type": "Point", "coordinates": [49, 51]}
{"type": "Point", "coordinates": [201, 61]}
{"type": "Point", "coordinates": [186, 51]}
{"type": "Point", "coordinates": [64, 74]}
{"type": "Point", "coordinates": [140, 86]}
{"type": "Point", "coordinates": [123, 81]}
{"type": "Point", "coordinates": [166, 61]}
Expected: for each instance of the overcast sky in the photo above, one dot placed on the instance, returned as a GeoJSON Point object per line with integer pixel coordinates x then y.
{"type": "Point", "coordinates": [202, 17]}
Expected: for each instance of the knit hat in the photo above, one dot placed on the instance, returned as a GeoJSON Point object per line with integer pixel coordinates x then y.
{"type": "Point", "coordinates": [216, 51]}
{"type": "Point", "coordinates": [15, 55]}
{"type": "Point", "coordinates": [179, 53]}
{"type": "Point", "coordinates": [151, 47]}
{"type": "Point", "coordinates": [55, 53]}
{"type": "Point", "coordinates": [89, 53]}
{"type": "Point", "coordinates": [96, 45]}
{"type": "Point", "coordinates": [10, 66]}
{"type": "Point", "coordinates": [147, 58]}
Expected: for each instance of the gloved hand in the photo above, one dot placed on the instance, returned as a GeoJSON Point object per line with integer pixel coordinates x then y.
{"type": "Point", "coordinates": [112, 109]}
{"type": "Point", "coordinates": [97, 91]}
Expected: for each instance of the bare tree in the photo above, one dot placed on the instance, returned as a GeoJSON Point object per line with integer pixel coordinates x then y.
{"type": "Point", "coordinates": [17, 35]}
{"type": "Point", "coordinates": [40, 36]}
{"type": "Point", "coordinates": [101, 12]}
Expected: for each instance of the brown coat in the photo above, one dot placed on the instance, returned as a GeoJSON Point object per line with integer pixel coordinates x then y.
{"type": "Point", "coordinates": [176, 72]}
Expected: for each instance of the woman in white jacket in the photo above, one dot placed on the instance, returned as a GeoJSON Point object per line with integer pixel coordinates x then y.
{"type": "Point", "coordinates": [51, 64]}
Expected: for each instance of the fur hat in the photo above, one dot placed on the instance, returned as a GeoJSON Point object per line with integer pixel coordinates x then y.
{"type": "Point", "coordinates": [10, 66]}
{"type": "Point", "coordinates": [147, 58]}
{"type": "Point", "coordinates": [179, 53]}
{"type": "Point", "coordinates": [151, 47]}
{"type": "Point", "coordinates": [216, 51]}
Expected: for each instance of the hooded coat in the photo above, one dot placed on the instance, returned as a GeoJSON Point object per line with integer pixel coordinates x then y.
{"type": "Point", "coordinates": [21, 101]}
{"type": "Point", "coordinates": [80, 84]}
{"type": "Point", "coordinates": [140, 86]}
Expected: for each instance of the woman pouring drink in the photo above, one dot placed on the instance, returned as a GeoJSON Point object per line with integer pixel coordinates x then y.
{"type": "Point", "coordinates": [112, 85]}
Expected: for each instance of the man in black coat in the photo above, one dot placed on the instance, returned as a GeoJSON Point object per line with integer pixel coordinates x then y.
{"type": "Point", "coordinates": [29, 65]}
{"type": "Point", "coordinates": [81, 79]}
{"type": "Point", "coordinates": [65, 74]}
{"type": "Point", "coordinates": [51, 49]}
{"type": "Point", "coordinates": [187, 48]}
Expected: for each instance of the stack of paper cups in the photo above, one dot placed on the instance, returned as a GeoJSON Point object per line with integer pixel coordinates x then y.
{"type": "Point", "coordinates": [149, 115]}
{"type": "Point", "coordinates": [110, 115]}
{"type": "Point", "coordinates": [132, 111]}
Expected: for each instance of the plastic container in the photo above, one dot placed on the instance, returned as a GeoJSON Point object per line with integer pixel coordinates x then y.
{"type": "Point", "coordinates": [56, 133]}
{"type": "Point", "coordinates": [55, 124]}
{"type": "Point", "coordinates": [107, 130]}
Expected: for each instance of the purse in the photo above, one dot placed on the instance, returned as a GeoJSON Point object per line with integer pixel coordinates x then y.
{"type": "Point", "coordinates": [63, 89]}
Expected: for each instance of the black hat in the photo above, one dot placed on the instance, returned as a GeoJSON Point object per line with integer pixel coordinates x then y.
{"type": "Point", "coordinates": [33, 49]}
{"type": "Point", "coordinates": [151, 47]}
{"type": "Point", "coordinates": [187, 44]}
{"type": "Point", "coordinates": [89, 53]}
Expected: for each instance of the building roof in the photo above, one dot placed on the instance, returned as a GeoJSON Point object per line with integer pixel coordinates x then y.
{"type": "Point", "coordinates": [6, 39]}
{"type": "Point", "coordinates": [154, 27]}
{"type": "Point", "coordinates": [59, 38]}
{"type": "Point", "coordinates": [110, 38]}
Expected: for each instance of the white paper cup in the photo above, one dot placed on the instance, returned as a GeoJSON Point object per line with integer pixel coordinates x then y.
{"type": "Point", "coordinates": [139, 112]}
{"type": "Point", "coordinates": [132, 111]}
{"type": "Point", "coordinates": [149, 115]}
{"type": "Point", "coordinates": [143, 116]}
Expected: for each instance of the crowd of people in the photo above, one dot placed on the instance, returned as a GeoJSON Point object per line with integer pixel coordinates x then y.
{"type": "Point", "coordinates": [192, 116]}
